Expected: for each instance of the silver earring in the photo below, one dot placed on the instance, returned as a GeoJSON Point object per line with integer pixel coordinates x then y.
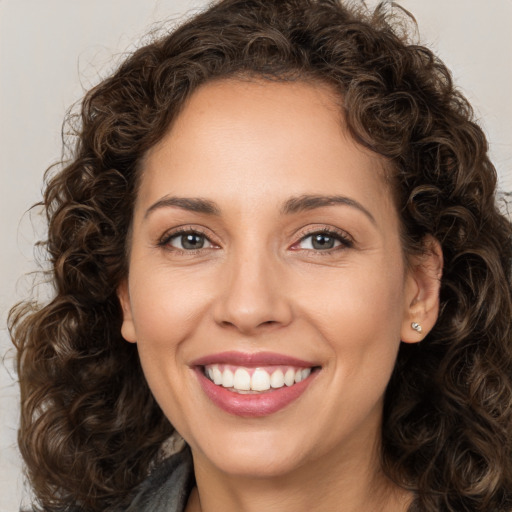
{"type": "Point", "coordinates": [416, 326]}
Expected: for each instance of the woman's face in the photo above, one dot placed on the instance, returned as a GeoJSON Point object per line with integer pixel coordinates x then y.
{"type": "Point", "coordinates": [266, 249]}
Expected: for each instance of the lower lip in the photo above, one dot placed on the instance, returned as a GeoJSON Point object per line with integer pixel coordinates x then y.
{"type": "Point", "coordinates": [253, 405]}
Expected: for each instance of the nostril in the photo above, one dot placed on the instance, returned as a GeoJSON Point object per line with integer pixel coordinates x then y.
{"type": "Point", "coordinates": [267, 323]}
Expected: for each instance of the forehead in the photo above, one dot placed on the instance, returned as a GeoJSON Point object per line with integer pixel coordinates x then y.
{"type": "Point", "coordinates": [261, 140]}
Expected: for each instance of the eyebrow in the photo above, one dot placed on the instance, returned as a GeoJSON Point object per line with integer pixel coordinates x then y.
{"type": "Point", "coordinates": [291, 206]}
{"type": "Point", "coordinates": [191, 204]}
{"type": "Point", "coordinates": [311, 202]}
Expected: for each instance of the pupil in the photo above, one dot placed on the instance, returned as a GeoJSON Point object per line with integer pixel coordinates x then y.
{"type": "Point", "coordinates": [323, 242]}
{"type": "Point", "coordinates": [192, 241]}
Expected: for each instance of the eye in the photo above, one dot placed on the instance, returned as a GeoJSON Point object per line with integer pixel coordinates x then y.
{"type": "Point", "coordinates": [187, 241]}
{"type": "Point", "coordinates": [324, 240]}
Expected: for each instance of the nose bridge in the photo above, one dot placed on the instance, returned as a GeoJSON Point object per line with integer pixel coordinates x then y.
{"type": "Point", "coordinates": [252, 295]}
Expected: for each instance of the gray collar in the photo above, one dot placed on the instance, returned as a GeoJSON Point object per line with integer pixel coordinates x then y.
{"type": "Point", "coordinates": [168, 487]}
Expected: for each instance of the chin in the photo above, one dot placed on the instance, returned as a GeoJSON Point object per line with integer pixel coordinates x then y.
{"type": "Point", "coordinates": [252, 454]}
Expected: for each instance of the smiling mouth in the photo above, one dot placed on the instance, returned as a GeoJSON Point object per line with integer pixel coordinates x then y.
{"type": "Point", "coordinates": [247, 380]}
{"type": "Point", "coordinates": [254, 385]}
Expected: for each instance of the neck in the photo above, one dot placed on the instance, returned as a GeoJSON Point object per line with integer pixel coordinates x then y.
{"type": "Point", "coordinates": [344, 484]}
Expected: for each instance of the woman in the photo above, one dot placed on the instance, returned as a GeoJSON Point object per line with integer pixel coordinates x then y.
{"type": "Point", "coordinates": [277, 237]}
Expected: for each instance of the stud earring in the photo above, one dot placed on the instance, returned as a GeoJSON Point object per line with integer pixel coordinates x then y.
{"type": "Point", "coordinates": [416, 326]}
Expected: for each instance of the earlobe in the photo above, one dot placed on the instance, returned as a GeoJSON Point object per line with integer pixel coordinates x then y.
{"type": "Point", "coordinates": [127, 327]}
{"type": "Point", "coordinates": [423, 284]}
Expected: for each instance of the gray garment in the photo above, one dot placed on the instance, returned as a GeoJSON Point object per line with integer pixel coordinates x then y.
{"type": "Point", "coordinates": [168, 487]}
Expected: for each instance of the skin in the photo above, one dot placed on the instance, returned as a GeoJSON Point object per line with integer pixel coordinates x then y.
{"type": "Point", "coordinates": [258, 284]}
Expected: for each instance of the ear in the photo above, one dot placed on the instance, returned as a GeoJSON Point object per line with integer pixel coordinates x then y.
{"type": "Point", "coordinates": [423, 283]}
{"type": "Point", "coordinates": [127, 327]}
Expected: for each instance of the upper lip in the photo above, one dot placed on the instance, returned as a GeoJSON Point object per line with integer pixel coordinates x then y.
{"type": "Point", "coordinates": [252, 359]}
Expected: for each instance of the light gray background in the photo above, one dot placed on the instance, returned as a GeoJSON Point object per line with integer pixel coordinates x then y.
{"type": "Point", "coordinates": [53, 50]}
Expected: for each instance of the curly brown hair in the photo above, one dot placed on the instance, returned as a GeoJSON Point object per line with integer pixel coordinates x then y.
{"type": "Point", "coordinates": [89, 424]}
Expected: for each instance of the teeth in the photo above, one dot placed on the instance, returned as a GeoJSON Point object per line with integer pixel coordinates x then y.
{"type": "Point", "coordinates": [260, 380]}
{"type": "Point", "coordinates": [289, 377]}
{"type": "Point", "coordinates": [228, 378]}
{"type": "Point", "coordinates": [240, 379]}
{"type": "Point", "coordinates": [277, 379]}
{"type": "Point", "coordinates": [217, 376]}
{"type": "Point", "coordinates": [302, 374]}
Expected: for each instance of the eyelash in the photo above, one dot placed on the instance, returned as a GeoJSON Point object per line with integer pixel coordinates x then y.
{"type": "Point", "coordinates": [164, 242]}
{"type": "Point", "coordinates": [345, 240]}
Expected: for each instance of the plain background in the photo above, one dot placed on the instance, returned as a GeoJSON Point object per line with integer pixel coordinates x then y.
{"type": "Point", "coordinates": [51, 51]}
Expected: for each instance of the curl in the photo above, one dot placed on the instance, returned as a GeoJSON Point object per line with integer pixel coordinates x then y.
{"type": "Point", "coordinates": [90, 426]}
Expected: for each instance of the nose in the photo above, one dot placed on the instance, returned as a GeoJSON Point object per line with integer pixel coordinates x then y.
{"type": "Point", "coordinates": [253, 297]}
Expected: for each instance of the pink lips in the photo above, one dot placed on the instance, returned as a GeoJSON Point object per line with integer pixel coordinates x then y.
{"type": "Point", "coordinates": [252, 405]}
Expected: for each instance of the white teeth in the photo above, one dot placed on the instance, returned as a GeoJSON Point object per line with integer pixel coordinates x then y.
{"type": "Point", "coordinates": [217, 376]}
{"type": "Point", "coordinates": [227, 378]}
{"type": "Point", "coordinates": [261, 380]}
{"type": "Point", "coordinates": [277, 379]}
{"type": "Point", "coordinates": [242, 380]}
{"type": "Point", "coordinates": [289, 377]}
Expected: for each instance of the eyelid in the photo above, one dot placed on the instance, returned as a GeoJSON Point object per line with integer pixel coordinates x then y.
{"type": "Point", "coordinates": [164, 240]}
{"type": "Point", "coordinates": [346, 241]}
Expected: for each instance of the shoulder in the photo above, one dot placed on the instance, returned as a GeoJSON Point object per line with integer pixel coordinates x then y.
{"type": "Point", "coordinates": [168, 486]}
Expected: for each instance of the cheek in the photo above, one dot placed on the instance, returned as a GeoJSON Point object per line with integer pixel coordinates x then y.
{"type": "Point", "coordinates": [359, 317]}
{"type": "Point", "coordinates": [166, 304]}
{"type": "Point", "coordinates": [166, 312]}
{"type": "Point", "coordinates": [357, 302]}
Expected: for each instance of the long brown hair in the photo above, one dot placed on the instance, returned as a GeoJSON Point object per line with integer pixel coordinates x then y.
{"type": "Point", "coordinates": [90, 426]}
